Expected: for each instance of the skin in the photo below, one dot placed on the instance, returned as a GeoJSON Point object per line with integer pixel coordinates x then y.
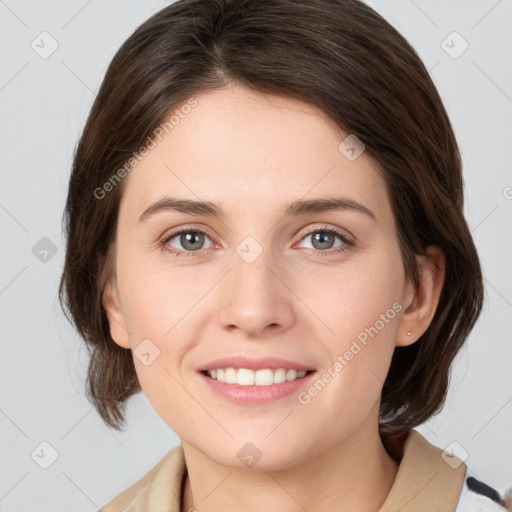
{"type": "Point", "coordinates": [251, 154]}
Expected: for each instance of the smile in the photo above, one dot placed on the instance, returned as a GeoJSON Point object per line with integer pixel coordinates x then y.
{"type": "Point", "coordinates": [255, 387]}
{"type": "Point", "coordinates": [248, 377]}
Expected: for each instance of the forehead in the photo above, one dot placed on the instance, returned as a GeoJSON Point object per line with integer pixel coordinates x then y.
{"type": "Point", "coordinates": [251, 152]}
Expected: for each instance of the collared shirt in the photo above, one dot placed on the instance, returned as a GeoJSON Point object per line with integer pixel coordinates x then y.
{"type": "Point", "coordinates": [426, 481]}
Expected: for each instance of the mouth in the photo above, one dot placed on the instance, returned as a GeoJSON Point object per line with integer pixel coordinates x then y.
{"type": "Point", "coordinates": [261, 377]}
{"type": "Point", "coordinates": [247, 380]}
{"type": "Point", "coordinates": [248, 387]}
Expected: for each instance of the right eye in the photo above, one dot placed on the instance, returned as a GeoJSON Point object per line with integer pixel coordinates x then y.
{"type": "Point", "coordinates": [191, 241]}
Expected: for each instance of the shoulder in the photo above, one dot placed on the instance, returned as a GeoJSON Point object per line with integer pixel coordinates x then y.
{"type": "Point", "coordinates": [478, 496]}
{"type": "Point", "coordinates": [430, 478]}
{"type": "Point", "coordinates": [158, 490]}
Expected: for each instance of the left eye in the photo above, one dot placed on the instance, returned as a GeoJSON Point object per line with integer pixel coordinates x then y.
{"type": "Point", "coordinates": [192, 241]}
{"type": "Point", "coordinates": [325, 238]}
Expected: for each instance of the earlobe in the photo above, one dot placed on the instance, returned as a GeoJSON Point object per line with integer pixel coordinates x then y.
{"type": "Point", "coordinates": [422, 300]}
{"type": "Point", "coordinates": [116, 320]}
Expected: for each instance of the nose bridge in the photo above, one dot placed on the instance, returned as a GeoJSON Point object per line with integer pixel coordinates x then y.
{"type": "Point", "coordinates": [255, 297]}
{"type": "Point", "coordinates": [253, 278]}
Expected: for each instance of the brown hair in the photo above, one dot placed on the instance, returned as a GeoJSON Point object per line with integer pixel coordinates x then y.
{"type": "Point", "coordinates": [338, 55]}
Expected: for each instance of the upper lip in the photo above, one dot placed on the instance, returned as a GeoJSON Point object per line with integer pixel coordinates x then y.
{"type": "Point", "coordinates": [253, 363]}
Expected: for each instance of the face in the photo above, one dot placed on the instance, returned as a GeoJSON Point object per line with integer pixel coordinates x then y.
{"type": "Point", "coordinates": [310, 286]}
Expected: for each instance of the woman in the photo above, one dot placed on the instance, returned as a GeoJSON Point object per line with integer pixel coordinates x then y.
{"type": "Point", "coordinates": [229, 142]}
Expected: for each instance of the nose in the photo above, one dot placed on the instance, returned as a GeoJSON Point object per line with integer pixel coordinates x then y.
{"type": "Point", "coordinates": [256, 296]}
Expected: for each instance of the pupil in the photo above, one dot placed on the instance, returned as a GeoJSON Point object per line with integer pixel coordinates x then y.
{"type": "Point", "coordinates": [187, 240]}
{"type": "Point", "coordinates": [321, 238]}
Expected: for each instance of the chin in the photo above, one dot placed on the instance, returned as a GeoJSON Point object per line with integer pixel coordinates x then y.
{"type": "Point", "coordinates": [258, 454]}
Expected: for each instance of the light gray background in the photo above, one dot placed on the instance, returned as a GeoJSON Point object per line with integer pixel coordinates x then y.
{"type": "Point", "coordinates": [44, 103]}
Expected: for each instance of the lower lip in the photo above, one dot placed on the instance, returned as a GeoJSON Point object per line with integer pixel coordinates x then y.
{"type": "Point", "coordinates": [256, 394]}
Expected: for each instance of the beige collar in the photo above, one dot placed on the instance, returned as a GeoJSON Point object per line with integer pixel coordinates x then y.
{"type": "Point", "coordinates": [425, 481]}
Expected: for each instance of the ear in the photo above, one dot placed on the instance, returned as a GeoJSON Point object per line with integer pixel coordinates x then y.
{"type": "Point", "coordinates": [115, 315]}
{"type": "Point", "coordinates": [420, 302]}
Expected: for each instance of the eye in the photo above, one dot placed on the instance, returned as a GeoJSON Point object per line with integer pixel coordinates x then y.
{"type": "Point", "coordinates": [324, 238]}
{"type": "Point", "coordinates": [188, 241]}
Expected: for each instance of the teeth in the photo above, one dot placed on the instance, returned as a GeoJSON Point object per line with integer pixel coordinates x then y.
{"type": "Point", "coordinates": [246, 377]}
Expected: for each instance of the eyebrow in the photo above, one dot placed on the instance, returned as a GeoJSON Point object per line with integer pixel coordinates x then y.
{"type": "Point", "coordinates": [293, 209]}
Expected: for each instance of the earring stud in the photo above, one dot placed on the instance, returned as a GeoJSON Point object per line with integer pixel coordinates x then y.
{"type": "Point", "coordinates": [409, 333]}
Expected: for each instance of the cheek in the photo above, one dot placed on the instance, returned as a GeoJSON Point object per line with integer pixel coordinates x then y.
{"type": "Point", "coordinates": [362, 307]}
{"type": "Point", "coordinates": [164, 313]}
{"type": "Point", "coordinates": [363, 299]}
{"type": "Point", "coordinates": [158, 302]}
{"type": "Point", "coordinates": [159, 313]}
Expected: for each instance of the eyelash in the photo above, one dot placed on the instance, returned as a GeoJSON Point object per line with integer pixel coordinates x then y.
{"type": "Point", "coordinates": [347, 241]}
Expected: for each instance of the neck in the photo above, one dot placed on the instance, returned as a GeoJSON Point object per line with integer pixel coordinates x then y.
{"type": "Point", "coordinates": [356, 474]}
